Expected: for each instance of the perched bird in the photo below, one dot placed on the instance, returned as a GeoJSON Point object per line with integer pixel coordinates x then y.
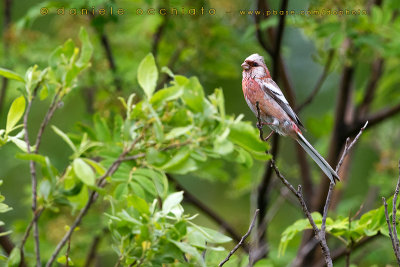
{"type": "Point", "coordinates": [275, 111]}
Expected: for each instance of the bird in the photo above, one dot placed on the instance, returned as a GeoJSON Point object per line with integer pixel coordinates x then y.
{"type": "Point", "coordinates": [264, 96]}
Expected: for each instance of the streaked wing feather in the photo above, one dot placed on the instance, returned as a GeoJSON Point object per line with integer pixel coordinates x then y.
{"type": "Point", "coordinates": [272, 89]}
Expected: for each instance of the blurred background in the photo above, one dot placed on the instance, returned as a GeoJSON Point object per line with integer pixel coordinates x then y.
{"type": "Point", "coordinates": [343, 67]}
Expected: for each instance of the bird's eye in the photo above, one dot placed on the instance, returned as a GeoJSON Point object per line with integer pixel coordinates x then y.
{"type": "Point", "coordinates": [255, 64]}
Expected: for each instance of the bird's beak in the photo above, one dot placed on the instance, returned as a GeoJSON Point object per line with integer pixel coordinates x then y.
{"type": "Point", "coordinates": [245, 66]}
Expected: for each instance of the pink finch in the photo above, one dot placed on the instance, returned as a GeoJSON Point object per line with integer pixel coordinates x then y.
{"type": "Point", "coordinates": [275, 111]}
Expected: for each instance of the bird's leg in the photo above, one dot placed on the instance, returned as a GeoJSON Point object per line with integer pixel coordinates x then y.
{"type": "Point", "coordinates": [269, 136]}
{"type": "Point", "coordinates": [260, 125]}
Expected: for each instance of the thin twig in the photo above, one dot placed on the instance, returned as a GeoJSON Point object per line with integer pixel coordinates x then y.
{"type": "Point", "coordinates": [320, 81]}
{"type": "Point", "coordinates": [396, 251]}
{"type": "Point", "coordinates": [392, 227]}
{"type": "Point", "coordinates": [67, 252]}
{"type": "Point", "coordinates": [349, 146]}
{"type": "Point", "coordinates": [319, 234]}
{"type": "Point", "coordinates": [50, 112]}
{"type": "Point", "coordinates": [241, 240]}
{"type": "Point", "coordinates": [32, 168]}
{"type": "Point", "coordinates": [92, 198]}
{"type": "Point", "coordinates": [394, 211]}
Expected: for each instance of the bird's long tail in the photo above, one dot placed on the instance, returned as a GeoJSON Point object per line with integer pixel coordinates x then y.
{"type": "Point", "coordinates": [325, 167]}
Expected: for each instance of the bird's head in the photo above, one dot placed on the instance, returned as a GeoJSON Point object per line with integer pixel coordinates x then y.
{"type": "Point", "coordinates": [254, 66]}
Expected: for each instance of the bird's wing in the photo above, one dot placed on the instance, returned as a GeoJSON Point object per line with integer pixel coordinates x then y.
{"type": "Point", "coordinates": [272, 89]}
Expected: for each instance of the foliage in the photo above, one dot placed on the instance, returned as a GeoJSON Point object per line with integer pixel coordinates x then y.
{"type": "Point", "coordinates": [176, 130]}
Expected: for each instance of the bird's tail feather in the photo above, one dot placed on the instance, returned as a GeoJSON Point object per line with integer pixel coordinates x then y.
{"type": "Point", "coordinates": [325, 167]}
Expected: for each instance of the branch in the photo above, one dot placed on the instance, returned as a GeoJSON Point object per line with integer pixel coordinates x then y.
{"type": "Point", "coordinates": [110, 56]}
{"type": "Point", "coordinates": [190, 198]}
{"type": "Point", "coordinates": [262, 192]}
{"type": "Point", "coordinates": [93, 247]}
{"type": "Point", "coordinates": [338, 137]}
{"type": "Point", "coordinates": [320, 81]}
{"type": "Point", "coordinates": [383, 114]}
{"type": "Point", "coordinates": [32, 168]}
{"type": "Point", "coordinates": [158, 34]}
{"type": "Point", "coordinates": [376, 73]}
{"type": "Point", "coordinates": [241, 240]}
{"type": "Point", "coordinates": [67, 253]}
{"type": "Point", "coordinates": [261, 5]}
{"type": "Point", "coordinates": [92, 198]}
{"type": "Point", "coordinates": [348, 147]}
{"type": "Point", "coordinates": [278, 40]}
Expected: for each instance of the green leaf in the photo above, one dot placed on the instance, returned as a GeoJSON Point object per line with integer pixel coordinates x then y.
{"type": "Point", "coordinates": [15, 257]}
{"type": "Point", "coordinates": [34, 157]}
{"type": "Point", "coordinates": [172, 201]}
{"type": "Point", "coordinates": [215, 236]}
{"type": "Point", "coordinates": [246, 136]}
{"type": "Point", "coordinates": [20, 144]}
{"type": "Point", "coordinates": [193, 95]}
{"type": "Point", "coordinates": [64, 137]}
{"type": "Point", "coordinates": [159, 179]}
{"type": "Point", "coordinates": [63, 260]}
{"type": "Point", "coordinates": [186, 248]}
{"type": "Point", "coordinates": [11, 75]}
{"type": "Point", "coordinates": [87, 48]}
{"type": "Point", "coordinates": [176, 132]}
{"type": "Point", "coordinates": [295, 228]}
{"type": "Point", "coordinates": [15, 113]}
{"type": "Point", "coordinates": [83, 171]}
{"type": "Point", "coordinates": [121, 191]}
{"type": "Point", "coordinates": [145, 183]}
{"type": "Point", "coordinates": [166, 94]}
{"type": "Point", "coordinates": [139, 204]}
{"type": "Point", "coordinates": [4, 208]}
{"type": "Point", "coordinates": [148, 75]}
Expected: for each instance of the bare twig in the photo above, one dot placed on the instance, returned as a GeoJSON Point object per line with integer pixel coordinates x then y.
{"type": "Point", "coordinates": [241, 240]}
{"type": "Point", "coordinates": [394, 245]}
{"type": "Point", "coordinates": [67, 252]}
{"type": "Point", "coordinates": [319, 234]}
{"type": "Point", "coordinates": [394, 211]}
{"type": "Point", "coordinates": [32, 168]}
{"type": "Point", "coordinates": [320, 81]}
{"type": "Point", "coordinates": [348, 146]}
